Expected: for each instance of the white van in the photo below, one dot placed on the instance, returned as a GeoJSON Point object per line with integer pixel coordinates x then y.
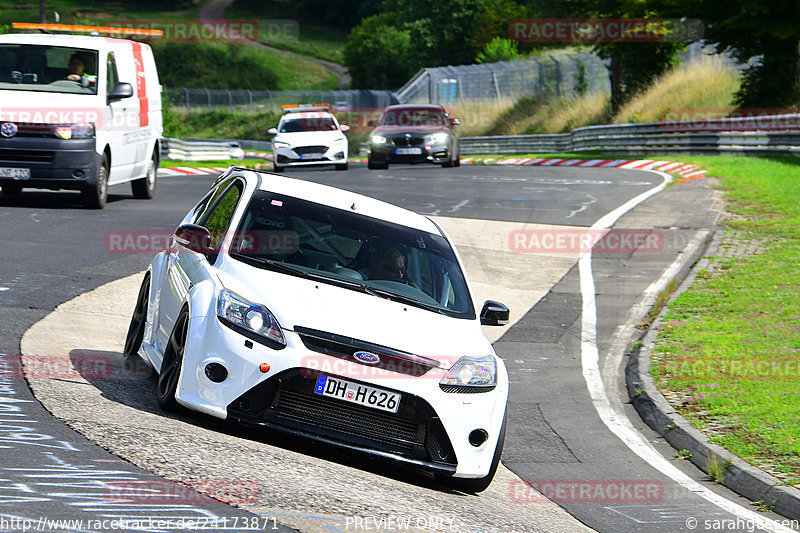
{"type": "Point", "coordinates": [78, 112]}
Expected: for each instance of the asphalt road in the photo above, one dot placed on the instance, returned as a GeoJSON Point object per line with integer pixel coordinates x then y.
{"type": "Point", "coordinates": [53, 250]}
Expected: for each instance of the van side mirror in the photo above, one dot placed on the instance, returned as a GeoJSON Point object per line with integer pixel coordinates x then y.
{"type": "Point", "coordinates": [494, 314]}
{"type": "Point", "coordinates": [121, 90]}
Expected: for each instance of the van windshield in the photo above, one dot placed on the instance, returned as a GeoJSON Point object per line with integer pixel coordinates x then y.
{"type": "Point", "coordinates": [56, 69]}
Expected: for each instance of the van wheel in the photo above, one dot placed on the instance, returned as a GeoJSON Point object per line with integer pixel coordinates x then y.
{"type": "Point", "coordinates": [12, 188]}
{"type": "Point", "coordinates": [144, 188]}
{"type": "Point", "coordinates": [96, 195]}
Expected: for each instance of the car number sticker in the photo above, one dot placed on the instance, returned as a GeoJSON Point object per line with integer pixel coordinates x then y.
{"type": "Point", "coordinates": [16, 173]}
{"type": "Point", "coordinates": [358, 394]}
{"type": "Point", "coordinates": [408, 151]}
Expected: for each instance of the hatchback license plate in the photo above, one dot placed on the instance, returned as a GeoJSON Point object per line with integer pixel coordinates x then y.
{"type": "Point", "coordinates": [16, 173]}
{"type": "Point", "coordinates": [408, 151]}
{"type": "Point", "coordinates": [358, 394]}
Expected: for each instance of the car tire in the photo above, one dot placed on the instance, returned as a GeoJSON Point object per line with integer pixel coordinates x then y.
{"type": "Point", "coordinates": [133, 340]}
{"type": "Point", "coordinates": [12, 189]}
{"type": "Point", "coordinates": [447, 164]}
{"type": "Point", "coordinates": [172, 364]}
{"type": "Point", "coordinates": [341, 167]}
{"type": "Point", "coordinates": [480, 484]}
{"type": "Point", "coordinates": [457, 161]}
{"type": "Point", "coordinates": [144, 188]}
{"type": "Point", "coordinates": [96, 195]}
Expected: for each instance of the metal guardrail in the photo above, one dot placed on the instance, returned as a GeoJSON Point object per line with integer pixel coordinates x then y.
{"type": "Point", "coordinates": [774, 134]}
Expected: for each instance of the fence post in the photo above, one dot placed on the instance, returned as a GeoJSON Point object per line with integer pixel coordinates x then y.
{"type": "Point", "coordinates": [208, 92]}
{"type": "Point", "coordinates": [250, 95]}
{"type": "Point", "coordinates": [558, 76]}
{"type": "Point", "coordinates": [541, 76]}
{"type": "Point", "coordinates": [230, 101]}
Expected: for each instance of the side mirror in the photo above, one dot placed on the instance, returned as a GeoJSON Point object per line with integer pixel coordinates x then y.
{"type": "Point", "coordinates": [195, 238]}
{"type": "Point", "coordinates": [344, 127]}
{"type": "Point", "coordinates": [272, 131]}
{"type": "Point", "coordinates": [121, 90]}
{"type": "Point", "coordinates": [494, 314]}
{"type": "Point", "coordinates": [454, 122]}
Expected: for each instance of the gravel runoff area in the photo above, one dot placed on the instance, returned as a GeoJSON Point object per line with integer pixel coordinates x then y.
{"type": "Point", "coordinates": [308, 491]}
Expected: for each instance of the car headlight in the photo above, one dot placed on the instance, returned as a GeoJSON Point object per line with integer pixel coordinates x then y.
{"type": "Point", "coordinates": [280, 144]}
{"type": "Point", "coordinates": [250, 319]}
{"type": "Point", "coordinates": [75, 131]}
{"type": "Point", "coordinates": [472, 372]}
{"type": "Point", "coordinates": [437, 138]}
{"type": "Point", "coordinates": [378, 139]}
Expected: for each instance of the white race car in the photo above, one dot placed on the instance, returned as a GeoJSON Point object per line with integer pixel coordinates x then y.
{"type": "Point", "coordinates": [309, 136]}
{"type": "Point", "coordinates": [329, 315]}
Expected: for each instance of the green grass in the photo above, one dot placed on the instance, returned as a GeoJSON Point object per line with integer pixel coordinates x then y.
{"type": "Point", "coordinates": [731, 344]}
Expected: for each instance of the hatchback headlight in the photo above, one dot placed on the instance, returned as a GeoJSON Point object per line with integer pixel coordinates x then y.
{"type": "Point", "coordinates": [472, 372]}
{"type": "Point", "coordinates": [280, 144]}
{"type": "Point", "coordinates": [250, 319]}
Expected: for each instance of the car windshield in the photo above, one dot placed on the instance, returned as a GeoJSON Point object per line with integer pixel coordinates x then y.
{"type": "Point", "coordinates": [413, 117]}
{"type": "Point", "coordinates": [295, 125]}
{"type": "Point", "coordinates": [354, 251]}
{"type": "Point", "coordinates": [57, 69]}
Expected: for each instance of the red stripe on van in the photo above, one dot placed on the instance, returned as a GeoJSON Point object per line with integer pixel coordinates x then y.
{"type": "Point", "coordinates": [141, 86]}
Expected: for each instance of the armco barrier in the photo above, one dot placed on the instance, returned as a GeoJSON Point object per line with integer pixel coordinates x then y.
{"type": "Point", "coordinates": [655, 137]}
{"type": "Point", "coordinates": [772, 134]}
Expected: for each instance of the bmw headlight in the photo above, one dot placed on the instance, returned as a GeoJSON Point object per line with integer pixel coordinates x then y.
{"type": "Point", "coordinates": [437, 138]}
{"type": "Point", "coordinates": [250, 319]}
{"type": "Point", "coordinates": [378, 139]}
{"type": "Point", "coordinates": [471, 372]}
{"type": "Point", "coordinates": [74, 131]}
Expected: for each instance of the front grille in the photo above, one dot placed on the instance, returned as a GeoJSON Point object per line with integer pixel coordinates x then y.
{"type": "Point", "coordinates": [310, 149]}
{"type": "Point", "coordinates": [336, 415]}
{"type": "Point", "coordinates": [408, 141]}
{"type": "Point", "coordinates": [287, 401]}
{"type": "Point", "coordinates": [14, 155]}
{"type": "Point", "coordinates": [344, 348]}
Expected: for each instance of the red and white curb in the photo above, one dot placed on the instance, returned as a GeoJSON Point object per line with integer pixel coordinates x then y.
{"type": "Point", "coordinates": [687, 171]}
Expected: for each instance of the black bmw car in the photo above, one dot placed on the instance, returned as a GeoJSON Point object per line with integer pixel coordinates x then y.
{"type": "Point", "coordinates": [414, 133]}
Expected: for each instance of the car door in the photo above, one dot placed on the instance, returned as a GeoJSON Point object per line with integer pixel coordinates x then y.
{"type": "Point", "coordinates": [185, 268]}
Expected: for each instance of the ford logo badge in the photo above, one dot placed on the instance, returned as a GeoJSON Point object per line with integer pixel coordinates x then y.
{"type": "Point", "coordinates": [8, 129]}
{"type": "Point", "coordinates": [368, 358]}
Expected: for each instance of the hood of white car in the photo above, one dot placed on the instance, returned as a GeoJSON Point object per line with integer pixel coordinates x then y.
{"type": "Point", "coordinates": [309, 138]}
{"type": "Point", "coordinates": [306, 303]}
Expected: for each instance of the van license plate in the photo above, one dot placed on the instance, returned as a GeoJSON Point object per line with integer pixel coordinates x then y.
{"type": "Point", "coordinates": [356, 393]}
{"type": "Point", "coordinates": [16, 173]}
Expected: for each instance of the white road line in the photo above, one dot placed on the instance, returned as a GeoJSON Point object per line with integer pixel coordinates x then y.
{"type": "Point", "coordinates": [613, 418]}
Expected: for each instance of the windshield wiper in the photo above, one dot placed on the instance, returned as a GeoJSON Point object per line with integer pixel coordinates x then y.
{"type": "Point", "coordinates": [286, 268]}
{"type": "Point", "coordinates": [405, 299]}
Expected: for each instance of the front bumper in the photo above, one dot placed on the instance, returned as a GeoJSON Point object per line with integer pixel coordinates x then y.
{"type": "Point", "coordinates": [53, 163]}
{"type": "Point", "coordinates": [336, 155]}
{"type": "Point", "coordinates": [430, 430]}
{"type": "Point", "coordinates": [388, 153]}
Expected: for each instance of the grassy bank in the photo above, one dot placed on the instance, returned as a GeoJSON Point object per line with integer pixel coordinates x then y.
{"type": "Point", "coordinates": [728, 353]}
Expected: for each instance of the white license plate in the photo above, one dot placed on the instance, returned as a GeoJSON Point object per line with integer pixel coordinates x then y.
{"type": "Point", "coordinates": [312, 156]}
{"type": "Point", "coordinates": [358, 394]}
{"type": "Point", "coordinates": [16, 173]}
{"type": "Point", "coordinates": [408, 151]}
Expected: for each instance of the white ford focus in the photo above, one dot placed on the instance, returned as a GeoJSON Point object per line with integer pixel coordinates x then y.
{"type": "Point", "coordinates": [299, 307]}
{"type": "Point", "coordinates": [309, 136]}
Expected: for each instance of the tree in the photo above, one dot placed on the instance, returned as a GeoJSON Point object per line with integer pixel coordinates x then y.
{"type": "Point", "coordinates": [750, 28]}
{"type": "Point", "coordinates": [498, 49]}
{"type": "Point", "coordinates": [377, 53]}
